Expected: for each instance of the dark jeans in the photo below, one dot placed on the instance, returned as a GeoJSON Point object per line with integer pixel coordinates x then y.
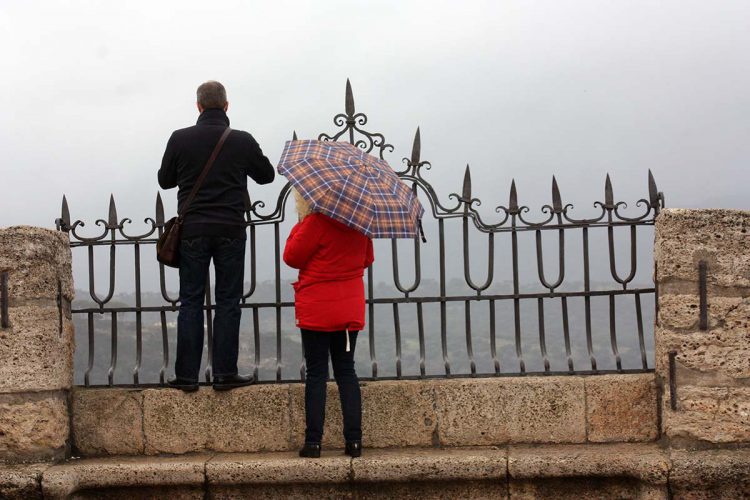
{"type": "Point", "coordinates": [317, 346]}
{"type": "Point", "coordinates": [228, 255]}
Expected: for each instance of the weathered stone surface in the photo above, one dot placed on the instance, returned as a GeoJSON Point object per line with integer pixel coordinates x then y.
{"type": "Point", "coordinates": [33, 426]}
{"type": "Point", "coordinates": [711, 474]}
{"type": "Point", "coordinates": [107, 421]}
{"type": "Point", "coordinates": [248, 419]}
{"type": "Point", "coordinates": [21, 482]}
{"type": "Point", "coordinates": [147, 493]}
{"type": "Point", "coordinates": [280, 468]}
{"type": "Point", "coordinates": [586, 488]}
{"type": "Point", "coordinates": [443, 490]}
{"type": "Point", "coordinates": [621, 408]}
{"type": "Point", "coordinates": [681, 312]}
{"type": "Point", "coordinates": [716, 351]}
{"type": "Point", "coordinates": [35, 259]}
{"type": "Point", "coordinates": [712, 414]}
{"type": "Point", "coordinates": [684, 237]}
{"type": "Point", "coordinates": [394, 413]}
{"type": "Point", "coordinates": [494, 411]}
{"type": "Point", "coordinates": [430, 465]}
{"type": "Point", "coordinates": [60, 481]}
{"type": "Point", "coordinates": [281, 491]}
{"type": "Point", "coordinates": [644, 462]}
{"type": "Point", "coordinates": [36, 355]}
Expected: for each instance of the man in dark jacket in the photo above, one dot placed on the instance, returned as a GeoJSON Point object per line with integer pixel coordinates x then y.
{"type": "Point", "coordinates": [213, 228]}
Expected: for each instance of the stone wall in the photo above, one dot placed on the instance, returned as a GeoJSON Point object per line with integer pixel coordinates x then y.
{"type": "Point", "coordinates": [36, 350]}
{"type": "Point", "coordinates": [456, 412]}
{"type": "Point", "coordinates": [711, 365]}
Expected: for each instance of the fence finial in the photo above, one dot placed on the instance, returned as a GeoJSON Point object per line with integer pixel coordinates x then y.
{"type": "Point", "coordinates": [349, 102]}
{"type": "Point", "coordinates": [513, 198]}
{"type": "Point", "coordinates": [556, 199]}
{"type": "Point", "coordinates": [159, 210]}
{"type": "Point", "coordinates": [609, 197]}
{"type": "Point", "coordinates": [466, 192]}
{"type": "Point", "coordinates": [416, 148]}
{"type": "Point", "coordinates": [63, 223]}
{"type": "Point", "coordinates": [655, 198]}
{"type": "Point", "coordinates": [112, 222]}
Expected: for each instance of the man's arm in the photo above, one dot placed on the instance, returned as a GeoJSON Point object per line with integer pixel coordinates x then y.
{"type": "Point", "coordinates": [261, 170]}
{"type": "Point", "coordinates": [168, 170]}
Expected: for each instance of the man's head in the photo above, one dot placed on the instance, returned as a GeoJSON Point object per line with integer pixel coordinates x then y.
{"type": "Point", "coordinates": [212, 94]}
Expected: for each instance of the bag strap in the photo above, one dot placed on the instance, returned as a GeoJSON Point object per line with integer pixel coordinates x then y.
{"type": "Point", "coordinates": [204, 173]}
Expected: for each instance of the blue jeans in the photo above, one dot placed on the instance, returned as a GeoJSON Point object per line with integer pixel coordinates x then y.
{"type": "Point", "coordinates": [228, 255]}
{"type": "Point", "coordinates": [317, 346]}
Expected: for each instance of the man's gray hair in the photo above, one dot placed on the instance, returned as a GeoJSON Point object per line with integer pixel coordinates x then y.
{"type": "Point", "coordinates": [212, 94]}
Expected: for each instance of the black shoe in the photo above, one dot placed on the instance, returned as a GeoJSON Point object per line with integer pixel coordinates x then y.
{"type": "Point", "coordinates": [310, 450]}
{"type": "Point", "coordinates": [353, 449]}
{"type": "Point", "coordinates": [232, 382]}
{"type": "Point", "coordinates": [182, 384]}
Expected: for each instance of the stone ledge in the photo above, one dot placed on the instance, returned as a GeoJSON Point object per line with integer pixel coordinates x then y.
{"type": "Point", "coordinates": [593, 468]}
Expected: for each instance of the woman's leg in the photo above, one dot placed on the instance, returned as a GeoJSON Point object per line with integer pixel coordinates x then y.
{"type": "Point", "coordinates": [348, 384]}
{"type": "Point", "coordinates": [316, 346]}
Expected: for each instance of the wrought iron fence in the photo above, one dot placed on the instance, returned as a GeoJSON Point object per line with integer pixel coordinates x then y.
{"type": "Point", "coordinates": [505, 330]}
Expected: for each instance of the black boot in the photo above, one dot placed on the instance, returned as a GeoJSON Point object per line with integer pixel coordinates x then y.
{"type": "Point", "coordinates": [353, 449]}
{"type": "Point", "coordinates": [232, 381]}
{"type": "Point", "coordinates": [182, 384]}
{"type": "Point", "coordinates": [310, 450]}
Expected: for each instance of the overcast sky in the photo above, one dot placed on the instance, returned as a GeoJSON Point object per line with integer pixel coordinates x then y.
{"type": "Point", "coordinates": [91, 90]}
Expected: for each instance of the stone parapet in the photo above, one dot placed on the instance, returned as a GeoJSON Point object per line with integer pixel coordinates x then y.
{"type": "Point", "coordinates": [710, 367]}
{"type": "Point", "coordinates": [36, 349]}
{"type": "Point", "coordinates": [415, 413]}
{"type": "Point", "coordinates": [601, 471]}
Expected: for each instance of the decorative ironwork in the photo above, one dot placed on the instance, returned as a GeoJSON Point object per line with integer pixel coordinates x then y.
{"type": "Point", "coordinates": [558, 218]}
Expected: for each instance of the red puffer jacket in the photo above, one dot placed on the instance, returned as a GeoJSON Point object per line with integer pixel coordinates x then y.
{"type": "Point", "coordinates": [331, 259]}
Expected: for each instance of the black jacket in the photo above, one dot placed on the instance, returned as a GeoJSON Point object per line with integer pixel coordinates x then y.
{"type": "Point", "coordinates": [219, 206]}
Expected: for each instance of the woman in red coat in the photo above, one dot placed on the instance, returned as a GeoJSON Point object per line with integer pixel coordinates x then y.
{"type": "Point", "coordinates": [329, 305]}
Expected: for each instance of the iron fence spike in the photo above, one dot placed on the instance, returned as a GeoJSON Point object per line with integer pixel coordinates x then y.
{"type": "Point", "coordinates": [513, 201]}
{"type": "Point", "coordinates": [466, 193]}
{"type": "Point", "coordinates": [416, 148]}
{"type": "Point", "coordinates": [112, 211]}
{"type": "Point", "coordinates": [556, 199]}
{"type": "Point", "coordinates": [609, 197]}
{"type": "Point", "coordinates": [653, 192]}
{"type": "Point", "coordinates": [159, 209]}
{"type": "Point", "coordinates": [349, 103]}
{"type": "Point", "coordinates": [65, 212]}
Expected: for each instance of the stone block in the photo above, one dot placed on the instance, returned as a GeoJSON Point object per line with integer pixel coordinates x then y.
{"type": "Point", "coordinates": [36, 355]}
{"type": "Point", "coordinates": [710, 414]}
{"type": "Point", "coordinates": [394, 413]}
{"type": "Point", "coordinates": [122, 473]}
{"type": "Point", "coordinates": [681, 312]}
{"type": "Point", "coordinates": [430, 465]}
{"type": "Point", "coordinates": [621, 408]}
{"type": "Point", "coordinates": [36, 259]}
{"type": "Point", "coordinates": [714, 353]}
{"type": "Point", "coordinates": [21, 482]}
{"type": "Point", "coordinates": [446, 490]}
{"type": "Point", "coordinates": [586, 488]}
{"type": "Point", "coordinates": [107, 421]}
{"type": "Point", "coordinates": [248, 419]}
{"type": "Point", "coordinates": [710, 474]}
{"type": "Point", "coordinates": [277, 468]}
{"type": "Point", "coordinates": [492, 411]}
{"type": "Point", "coordinates": [643, 462]}
{"type": "Point", "coordinates": [33, 426]}
{"type": "Point", "coordinates": [683, 237]}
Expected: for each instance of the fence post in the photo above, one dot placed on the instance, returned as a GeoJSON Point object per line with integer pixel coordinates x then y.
{"type": "Point", "coordinates": [36, 344]}
{"type": "Point", "coordinates": [703, 325]}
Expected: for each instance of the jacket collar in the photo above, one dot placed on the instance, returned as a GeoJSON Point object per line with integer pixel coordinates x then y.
{"type": "Point", "coordinates": [213, 116]}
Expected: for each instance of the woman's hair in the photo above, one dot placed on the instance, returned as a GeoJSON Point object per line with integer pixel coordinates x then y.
{"type": "Point", "coordinates": [303, 208]}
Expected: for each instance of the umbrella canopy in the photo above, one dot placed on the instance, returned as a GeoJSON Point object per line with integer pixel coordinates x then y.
{"type": "Point", "coordinates": [353, 187]}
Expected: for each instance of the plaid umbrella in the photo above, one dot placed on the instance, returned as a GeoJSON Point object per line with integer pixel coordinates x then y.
{"type": "Point", "coordinates": [353, 187]}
